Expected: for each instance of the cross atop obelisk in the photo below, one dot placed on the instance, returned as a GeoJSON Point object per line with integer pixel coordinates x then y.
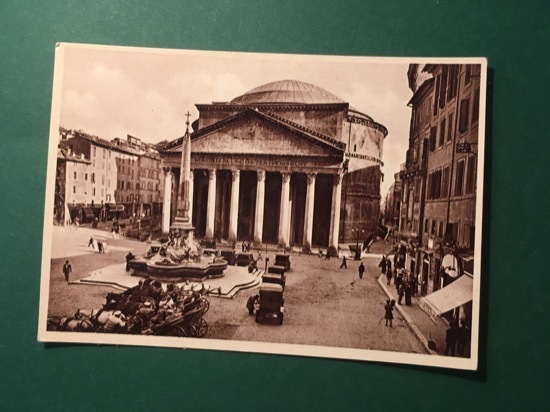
{"type": "Point", "coordinates": [187, 122]}
{"type": "Point", "coordinates": [182, 220]}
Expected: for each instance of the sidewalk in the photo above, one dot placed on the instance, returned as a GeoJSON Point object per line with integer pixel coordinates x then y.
{"type": "Point", "coordinates": [422, 326]}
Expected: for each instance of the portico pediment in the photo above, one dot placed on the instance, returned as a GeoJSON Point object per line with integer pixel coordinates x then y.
{"type": "Point", "coordinates": [257, 133]}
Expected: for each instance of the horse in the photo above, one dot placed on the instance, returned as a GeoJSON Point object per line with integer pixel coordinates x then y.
{"type": "Point", "coordinates": [70, 324]}
{"type": "Point", "coordinates": [98, 317]}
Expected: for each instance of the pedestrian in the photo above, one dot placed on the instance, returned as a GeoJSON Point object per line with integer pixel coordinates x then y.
{"type": "Point", "coordinates": [327, 256]}
{"type": "Point", "coordinates": [401, 292]}
{"type": "Point", "coordinates": [67, 269]}
{"type": "Point", "coordinates": [383, 264]}
{"type": "Point", "coordinates": [344, 263]}
{"type": "Point", "coordinates": [91, 243]}
{"type": "Point", "coordinates": [129, 257]}
{"type": "Point", "coordinates": [398, 280]}
{"type": "Point", "coordinates": [251, 302]}
{"type": "Point", "coordinates": [388, 275]}
{"type": "Point", "coordinates": [361, 270]}
{"type": "Point", "coordinates": [104, 246]}
{"type": "Point", "coordinates": [100, 246]}
{"type": "Point", "coordinates": [450, 339]}
{"type": "Point", "coordinates": [408, 292]}
{"type": "Point", "coordinates": [389, 312]}
{"type": "Point", "coordinates": [388, 265]}
{"type": "Point", "coordinates": [76, 222]}
{"type": "Point", "coordinates": [463, 336]}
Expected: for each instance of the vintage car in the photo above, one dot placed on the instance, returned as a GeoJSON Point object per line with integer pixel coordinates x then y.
{"type": "Point", "coordinates": [271, 303]}
{"type": "Point", "coordinates": [280, 270]}
{"type": "Point", "coordinates": [244, 258]}
{"type": "Point", "coordinates": [279, 279]}
{"type": "Point", "coordinates": [283, 260]}
{"type": "Point", "coordinates": [209, 252]}
{"type": "Point", "coordinates": [229, 256]}
{"type": "Point", "coordinates": [139, 263]}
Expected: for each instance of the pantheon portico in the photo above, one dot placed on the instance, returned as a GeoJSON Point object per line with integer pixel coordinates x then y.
{"type": "Point", "coordinates": [271, 166]}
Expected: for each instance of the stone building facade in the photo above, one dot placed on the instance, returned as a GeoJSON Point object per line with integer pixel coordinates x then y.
{"type": "Point", "coordinates": [71, 186]}
{"type": "Point", "coordinates": [286, 163]}
{"type": "Point", "coordinates": [123, 177]}
{"type": "Point", "coordinates": [437, 222]}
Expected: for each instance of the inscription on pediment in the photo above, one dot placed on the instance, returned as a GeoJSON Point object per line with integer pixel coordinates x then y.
{"type": "Point", "coordinates": [257, 137]}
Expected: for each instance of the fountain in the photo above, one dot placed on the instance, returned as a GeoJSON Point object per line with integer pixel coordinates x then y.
{"type": "Point", "coordinates": [181, 256]}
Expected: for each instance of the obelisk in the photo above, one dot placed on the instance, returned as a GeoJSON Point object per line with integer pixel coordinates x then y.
{"type": "Point", "coordinates": [182, 221]}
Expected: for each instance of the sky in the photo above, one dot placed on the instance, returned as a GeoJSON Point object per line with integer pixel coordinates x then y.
{"type": "Point", "coordinates": [112, 92]}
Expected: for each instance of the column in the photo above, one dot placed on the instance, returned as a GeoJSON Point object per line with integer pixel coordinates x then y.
{"type": "Point", "coordinates": [211, 207]}
{"type": "Point", "coordinates": [191, 188]}
{"type": "Point", "coordinates": [308, 218]}
{"type": "Point", "coordinates": [166, 201]}
{"type": "Point", "coordinates": [284, 212]}
{"type": "Point", "coordinates": [335, 215]}
{"type": "Point", "coordinates": [259, 217]}
{"type": "Point", "coordinates": [234, 206]}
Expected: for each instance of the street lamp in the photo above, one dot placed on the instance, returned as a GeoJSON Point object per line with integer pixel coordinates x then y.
{"type": "Point", "coordinates": [357, 250]}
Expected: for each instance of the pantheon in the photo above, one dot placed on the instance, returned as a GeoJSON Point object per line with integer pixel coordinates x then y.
{"type": "Point", "coordinates": [286, 163]}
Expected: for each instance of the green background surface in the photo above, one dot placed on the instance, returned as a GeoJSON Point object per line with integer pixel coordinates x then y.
{"type": "Point", "coordinates": [513, 35]}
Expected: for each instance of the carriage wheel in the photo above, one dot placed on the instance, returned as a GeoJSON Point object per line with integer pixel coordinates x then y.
{"type": "Point", "coordinates": [177, 331]}
{"type": "Point", "coordinates": [193, 333]}
{"type": "Point", "coordinates": [204, 305]}
{"type": "Point", "coordinates": [200, 325]}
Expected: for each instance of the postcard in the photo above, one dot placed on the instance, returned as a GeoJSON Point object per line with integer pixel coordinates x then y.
{"type": "Point", "coordinates": [322, 206]}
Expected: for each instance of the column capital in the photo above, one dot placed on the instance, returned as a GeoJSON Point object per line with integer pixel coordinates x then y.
{"type": "Point", "coordinates": [211, 174]}
{"type": "Point", "coordinates": [192, 174]}
{"type": "Point", "coordinates": [235, 174]}
{"type": "Point", "coordinates": [286, 176]}
{"type": "Point", "coordinates": [311, 178]}
{"type": "Point", "coordinates": [167, 170]}
{"type": "Point", "coordinates": [261, 175]}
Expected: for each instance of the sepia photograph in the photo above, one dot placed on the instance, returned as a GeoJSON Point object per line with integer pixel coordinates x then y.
{"type": "Point", "coordinates": [306, 205]}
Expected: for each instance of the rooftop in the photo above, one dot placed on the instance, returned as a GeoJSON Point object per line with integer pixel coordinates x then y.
{"type": "Point", "coordinates": [287, 91]}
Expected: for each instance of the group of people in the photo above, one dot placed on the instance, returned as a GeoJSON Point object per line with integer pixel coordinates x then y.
{"type": "Point", "coordinates": [456, 338]}
{"type": "Point", "coordinates": [101, 244]}
{"type": "Point", "coordinates": [405, 283]}
{"type": "Point", "coordinates": [140, 309]}
{"type": "Point", "coordinates": [246, 246]}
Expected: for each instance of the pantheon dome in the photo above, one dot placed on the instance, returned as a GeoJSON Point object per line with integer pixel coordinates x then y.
{"type": "Point", "coordinates": [287, 91]}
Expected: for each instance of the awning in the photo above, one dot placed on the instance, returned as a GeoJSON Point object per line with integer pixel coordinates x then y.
{"type": "Point", "coordinates": [456, 294]}
{"type": "Point", "coordinates": [115, 208]}
{"type": "Point", "coordinates": [88, 212]}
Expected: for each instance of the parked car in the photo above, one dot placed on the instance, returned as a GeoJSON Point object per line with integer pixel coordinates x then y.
{"type": "Point", "coordinates": [279, 279]}
{"type": "Point", "coordinates": [271, 303]}
{"type": "Point", "coordinates": [280, 270]}
{"type": "Point", "coordinates": [244, 258]}
{"type": "Point", "coordinates": [283, 260]}
{"type": "Point", "coordinates": [229, 256]}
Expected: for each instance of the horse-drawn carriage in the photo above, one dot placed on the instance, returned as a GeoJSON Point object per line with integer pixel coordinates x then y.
{"type": "Point", "coordinates": [187, 323]}
{"type": "Point", "coordinates": [143, 311]}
